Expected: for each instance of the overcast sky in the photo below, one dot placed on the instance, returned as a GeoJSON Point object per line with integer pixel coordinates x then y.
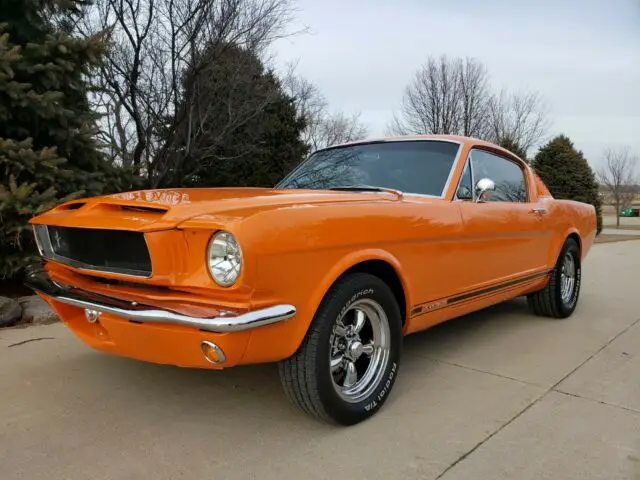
{"type": "Point", "coordinates": [582, 56]}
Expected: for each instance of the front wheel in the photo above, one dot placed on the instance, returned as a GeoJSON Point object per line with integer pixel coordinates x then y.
{"type": "Point", "coordinates": [558, 299]}
{"type": "Point", "coordinates": [348, 362]}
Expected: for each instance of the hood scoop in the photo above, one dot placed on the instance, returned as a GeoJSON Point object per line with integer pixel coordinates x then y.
{"type": "Point", "coordinates": [139, 208]}
{"type": "Point", "coordinates": [72, 206]}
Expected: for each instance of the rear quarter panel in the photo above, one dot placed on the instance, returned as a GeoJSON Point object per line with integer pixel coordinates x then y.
{"type": "Point", "coordinates": [566, 217]}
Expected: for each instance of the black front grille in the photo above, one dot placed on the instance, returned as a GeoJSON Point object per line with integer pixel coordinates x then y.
{"type": "Point", "coordinates": [113, 251]}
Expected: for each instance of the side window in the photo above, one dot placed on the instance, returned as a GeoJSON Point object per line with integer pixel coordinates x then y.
{"type": "Point", "coordinates": [465, 189]}
{"type": "Point", "coordinates": [507, 175]}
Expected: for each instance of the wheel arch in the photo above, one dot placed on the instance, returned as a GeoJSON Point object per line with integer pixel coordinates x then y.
{"type": "Point", "coordinates": [576, 236]}
{"type": "Point", "coordinates": [376, 262]}
{"type": "Point", "coordinates": [559, 241]}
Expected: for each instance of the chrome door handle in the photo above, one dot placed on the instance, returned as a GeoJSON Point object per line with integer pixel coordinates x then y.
{"type": "Point", "coordinates": [539, 211]}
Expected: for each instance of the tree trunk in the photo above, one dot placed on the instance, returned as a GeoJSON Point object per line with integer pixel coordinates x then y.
{"type": "Point", "coordinates": [618, 215]}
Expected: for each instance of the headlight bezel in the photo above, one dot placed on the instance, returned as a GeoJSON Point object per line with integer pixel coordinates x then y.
{"type": "Point", "coordinates": [237, 258]}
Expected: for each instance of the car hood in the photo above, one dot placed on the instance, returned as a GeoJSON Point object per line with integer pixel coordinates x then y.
{"type": "Point", "coordinates": [151, 210]}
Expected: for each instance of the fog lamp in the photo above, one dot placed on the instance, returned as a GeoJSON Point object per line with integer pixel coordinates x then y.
{"type": "Point", "coordinates": [212, 353]}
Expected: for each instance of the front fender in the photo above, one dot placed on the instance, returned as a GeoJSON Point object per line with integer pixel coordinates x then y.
{"type": "Point", "coordinates": [349, 261]}
{"type": "Point", "coordinates": [305, 292]}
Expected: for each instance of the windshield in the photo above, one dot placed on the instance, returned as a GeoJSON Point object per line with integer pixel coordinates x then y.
{"type": "Point", "coordinates": [421, 167]}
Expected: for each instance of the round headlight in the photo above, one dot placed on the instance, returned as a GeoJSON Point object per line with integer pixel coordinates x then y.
{"type": "Point", "coordinates": [224, 259]}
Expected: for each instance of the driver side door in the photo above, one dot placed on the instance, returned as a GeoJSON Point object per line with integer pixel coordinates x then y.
{"type": "Point", "coordinates": [506, 236]}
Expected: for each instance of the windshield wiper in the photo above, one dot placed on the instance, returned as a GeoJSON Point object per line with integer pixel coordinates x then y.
{"type": "Point", "coordinates": [367, 188]}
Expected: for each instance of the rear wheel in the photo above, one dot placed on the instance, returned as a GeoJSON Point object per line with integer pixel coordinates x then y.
{"type": "Point", "coordinates": [348, 362]}
{"type": "Point", "coordinates": [558, 299]}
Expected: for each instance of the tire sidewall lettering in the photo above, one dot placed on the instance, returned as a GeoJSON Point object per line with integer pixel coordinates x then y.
{"type": "Point", "coordinates": [576, 287]}
{"type": "Point", "coordinates": [578, 277]}
{"type": "Point", "coordinates": [375, 289]}
{"type": "Point", "coordinates": [367, 291]}
{"type": "Point", "coordinates": [571, 304]}
{"type": "Point", "coordinates": [386, 386]}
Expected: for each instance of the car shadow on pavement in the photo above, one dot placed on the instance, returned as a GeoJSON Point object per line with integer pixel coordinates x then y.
{"type": "Point", "coordinates": [457, 333]}
{"type": "Point", "coordinates": [254, 391]}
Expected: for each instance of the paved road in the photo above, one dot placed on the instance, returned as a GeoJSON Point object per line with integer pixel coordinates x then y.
{"type": "Point", "coordinates": [609, 221]}
{"type": "Point", "coordinates": [620, 231]}
{"type": "Point", "coordinates": [500, 394]}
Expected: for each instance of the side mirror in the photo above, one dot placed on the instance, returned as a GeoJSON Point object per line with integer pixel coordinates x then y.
{"type": "Point", "coordinates": [484, 189]}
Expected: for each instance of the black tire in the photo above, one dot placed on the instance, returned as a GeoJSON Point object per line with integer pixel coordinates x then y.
{"type": "Point", "coordinates": [306, 376]}
{"type": "Point", "coordinates": [549, 302]}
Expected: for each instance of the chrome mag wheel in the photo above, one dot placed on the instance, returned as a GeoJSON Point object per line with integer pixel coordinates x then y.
{"type": "Point", "coordinates": [359, 350]}
{"type": "Point", "coordinates": [348, 362]}
{"type": "Point", "coordinates": [567, 278]}
{"type": "Point", "coordinates": [559, 297]}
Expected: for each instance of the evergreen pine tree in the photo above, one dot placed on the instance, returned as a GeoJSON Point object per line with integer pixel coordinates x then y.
{"type": "Point", "coordinates": [48, 151]}
{"type": "Point", "coordinates": [231, 86]}
{"type": "Point", "coordinates": [514, 147]}
{"type": "Point", "coordinates": [567, 173]}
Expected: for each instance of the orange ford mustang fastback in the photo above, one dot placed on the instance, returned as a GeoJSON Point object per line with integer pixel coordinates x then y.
{"type": "Point", "coordinates": [325, 273]}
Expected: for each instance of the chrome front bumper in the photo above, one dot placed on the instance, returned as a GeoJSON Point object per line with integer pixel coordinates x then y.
{"type": "Point", "coordinates": [226, 321]}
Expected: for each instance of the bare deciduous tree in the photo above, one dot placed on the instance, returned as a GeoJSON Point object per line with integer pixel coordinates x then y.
{"type": "Point", "coordinates": [336, 128]}
{"type": "Point", "coordinates": [473, 97]}
{"type": "Point", "coordinates": [308, 100]}
{"type": "Point", "coordinates": [154, 42]}
{"type": "Point", "coordinates": [453, 96]}
{"type": "Point", "coordinates": [519, 118]}
{"type": "Point", "coordinates": [324, 128]}
{"type": "Point", "coordinates": [618, 176]}
{"type": "Point", "coordinates": [447, 96]}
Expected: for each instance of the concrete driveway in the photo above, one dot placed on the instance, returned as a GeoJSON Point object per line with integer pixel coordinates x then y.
{"type": "Point", "coordinates": [620, 231]}
{"type": "Point", "coordinates": [498, 394]}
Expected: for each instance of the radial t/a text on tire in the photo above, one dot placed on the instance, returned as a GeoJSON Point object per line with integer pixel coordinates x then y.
{"type": "Point", "coordinates": [348, 362]}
